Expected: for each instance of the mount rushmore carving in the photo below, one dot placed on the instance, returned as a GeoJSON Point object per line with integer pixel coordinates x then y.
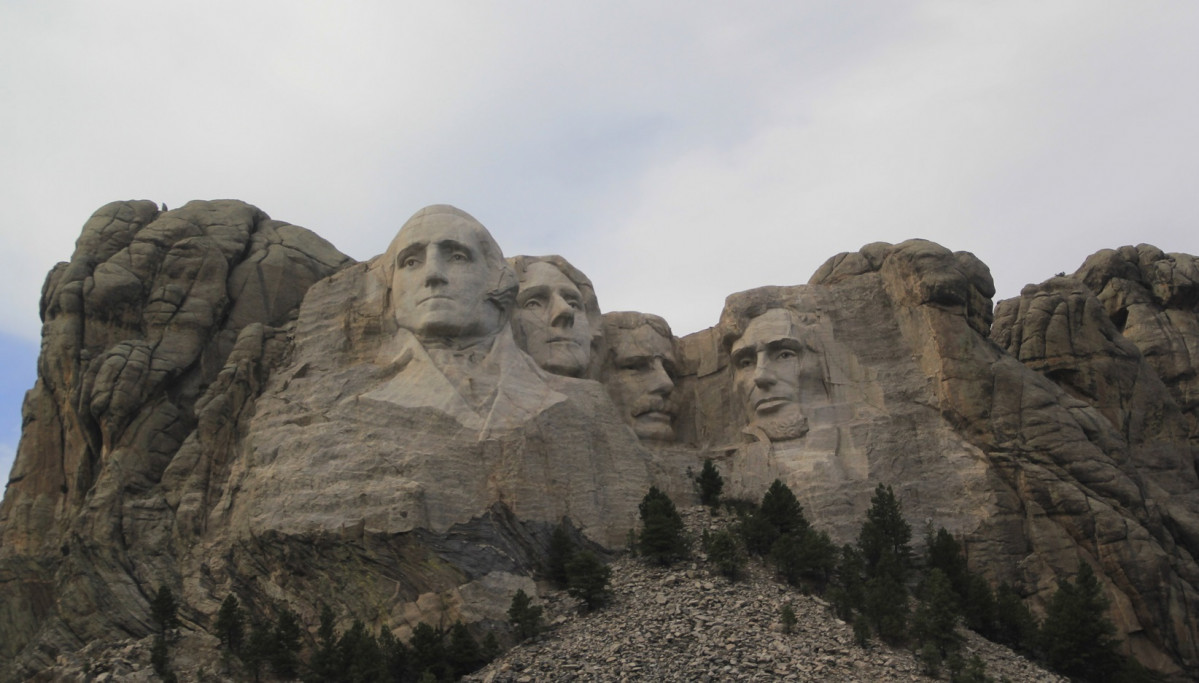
{"type": "Point", "coordinates": [228, 405]}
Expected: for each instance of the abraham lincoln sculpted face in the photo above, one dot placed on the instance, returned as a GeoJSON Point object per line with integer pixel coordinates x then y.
{"type": "Point", "coordinates": [766, 365]}
{"type": "Point", "coordinates": [449, 280]}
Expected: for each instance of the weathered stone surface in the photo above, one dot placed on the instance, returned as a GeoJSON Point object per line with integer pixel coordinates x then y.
{"type": "Point", "coordinates": [137, 331]}
{"type": "Point", "coordinates": [227, 405]}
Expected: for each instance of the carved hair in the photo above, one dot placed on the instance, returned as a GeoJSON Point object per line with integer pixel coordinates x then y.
{"type": "Point", "coordinates": [741, 308]}
{"type": "Point", "coordinates": [617, 321]}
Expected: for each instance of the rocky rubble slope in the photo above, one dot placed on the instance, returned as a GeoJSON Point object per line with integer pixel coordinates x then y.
{"type": "Point", "coordinates": [687, 624]}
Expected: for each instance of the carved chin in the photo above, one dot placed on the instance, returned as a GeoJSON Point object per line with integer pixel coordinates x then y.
{"type": "Point", "coordinates": [785, 427]}
{"type": "Point", "coordinates": [560, 360]}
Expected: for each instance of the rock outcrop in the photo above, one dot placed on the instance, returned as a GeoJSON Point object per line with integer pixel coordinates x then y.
{"type": "Point", "coordinates": [227, 405]}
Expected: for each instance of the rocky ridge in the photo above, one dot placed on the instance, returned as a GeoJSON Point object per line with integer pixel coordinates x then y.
{"type": "Point", "coordinates": [226, 406]}
{"type": "Point", "coordinates": [686, 623]}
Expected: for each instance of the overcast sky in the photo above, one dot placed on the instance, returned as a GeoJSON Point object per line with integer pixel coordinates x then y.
{"type": "Point", "coordinates": [676, 152]}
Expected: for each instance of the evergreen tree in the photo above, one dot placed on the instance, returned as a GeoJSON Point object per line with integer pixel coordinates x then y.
{"type": "Point", "coordinates": [885, 533]}
{"type": "Point", "coordinates": [259, 648]}
{"type": "Point", "coordinates": [1015, 626]}
{"type": "Point", "coordinates": [325, 662]}
{"type": "Point", "coordinates": [886, 603]}
{"type": "Point", "coordinates": [524, 616]}
{"type": "Point", "coordinates": [229, 624]}
{"type": "Point", "coordinates": [848, 592]}
{"type": "Point", "coordinates": [1076, 636]}
{"type": "Point", "coordinates": [359, 658]}
{"type": "Point", "coordinates": [491, 646]}
{"type": "Point", "coordinates": [781, 508]}
{"type": "Point", "coordinates": [588, 579]}
{"type": "Point", "coordinates": [883, 543]}
{"type": "Point", "coordinates": [786, 556]}
{"type": "Point", "coordinates": [395, 656]}
{"type": "Point", "coordinates": [427, 652]}
{"type": "Point", "coordinates": [462, 652]}
{"type": "Point", "coordinates": [560, 551]}
{"type": "Point", "coordinates": [661, 541]}
{"type": "Point", "coordinates": [710, 485]}
{"type": "Point", "coordinates": [725, 554]}
{"type": "Point", "coordinates": [936, 617]}
{"type": "Point", "coordinates": [787, 618]}
{"type": "Point", "coordinates": [757, 533]}
{"type": "Point", "coordinates": [164, 610]}
{"type": "Point", "coordinates": [285, 644]}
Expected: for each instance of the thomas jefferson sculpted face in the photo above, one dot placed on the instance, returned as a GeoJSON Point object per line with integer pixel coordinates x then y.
{"type": "Point", "coordinates": [766, 374]}
{"type": "Point", "coordinates": [640, 372]}
{"type": "Point", "coordinates": [448, 277]}
{"type": "Point", "coordinates": [552, 320]}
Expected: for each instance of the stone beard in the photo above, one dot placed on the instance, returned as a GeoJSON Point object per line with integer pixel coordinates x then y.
{"type": "Point", "coordinates": [639, 373]}
{"type": "Point", "coordinates": [551, 319]}
{"type": "Point", "coordinates": [766, 366]}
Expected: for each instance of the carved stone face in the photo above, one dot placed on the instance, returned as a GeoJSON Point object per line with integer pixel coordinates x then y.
{"type": "Point", "coordinates": [641, 380]}
{"type": "Point", "coordinates": [766, 364]}
{"type": "Point", "coordinates": [555, 328]}
{"type": "Point", "coordinates": [442, 279]}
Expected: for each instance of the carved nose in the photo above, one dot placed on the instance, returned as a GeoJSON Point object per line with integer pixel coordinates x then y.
{"type": "Point", "coordinates": [763, 376]}
{"type": "Point", "coordinates": [661, 384]}
{"type": "Point", "coordinates": [562, 315]}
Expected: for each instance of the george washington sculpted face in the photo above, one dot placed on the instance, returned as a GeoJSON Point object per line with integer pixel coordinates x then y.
{"type": "Point", "coordinates": [445, 270]}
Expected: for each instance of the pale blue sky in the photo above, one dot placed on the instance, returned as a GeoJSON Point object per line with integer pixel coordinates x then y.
{"type": "Point", "coordinates": [676, 152]}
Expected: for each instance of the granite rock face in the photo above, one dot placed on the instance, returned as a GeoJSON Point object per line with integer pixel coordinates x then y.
{"type": "Point", "coordinates": [228, 405]}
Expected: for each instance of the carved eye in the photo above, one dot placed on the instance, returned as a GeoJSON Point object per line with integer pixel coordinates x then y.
{"type": "Point", "coordinates": [532, 304]}
{"type": "Point", "coordinates": [745, 362]}
{"type": "Point", "coordinates": [410, 262]}
{"type": "Point", "coordinates": [786, 354]}
{"type": "Point", "coordinates": [459, 257]}
{"type": "Point", "coordinates": [575, 305]}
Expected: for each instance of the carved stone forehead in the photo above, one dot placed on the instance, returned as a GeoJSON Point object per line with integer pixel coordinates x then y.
{"type": "Point", "coordinates": [441, 221]}
{"type": "Point", "coordinates": [773, 325]}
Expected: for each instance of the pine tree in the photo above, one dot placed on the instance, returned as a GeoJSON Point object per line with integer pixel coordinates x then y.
{"type": "Point", "coordinates": [359, 657]}
{"type": "Point", "coordinates": [1015, 626]}
{"type": "Point", "coordinates": [259, 647]}
{"type": "Point", "coordinates": [757, 533]}
{"type": "Point", "coordinates": [325, 662]}
{"type": "Point", "coordinates": [286, 644]}
{"type": "Point", "coordinates": [395, 656]}
{"type": "Point", "coordinates": [725, 554]}
{"type": "Point", "coordinates": [781, 508]}
{"type": "Point", "coordinates": [661, 541]}
{"type": "Point", "coordinates": [936, 617]}
{"type": "Point", "coordinates": [462, 652]}
{"type": "Point", "coordinates": [427, 651]}
{"type": "Point", "coordinates": [710, 485]}
{"type": "Point", "coordinates": [883, 543]}
{"type": "Point", "coordinates": [560, 551]}
{"type": "Point", "coordinates": [848, 585]}
{"type": "Point", "coordinates": [787, 618]}
{"type": "Point", "coordinates": [1076, 636]}
{"type": "Point", "coordinates": [589, 578]}
{"type": "Point", "coordinates": [884, 533]}
{"type": "Point", "coordinates": [164, 610]}
{"type": "Point", "coordinates": [230, 622]}
{"type": "Point", "coordinates": [524, 616]}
